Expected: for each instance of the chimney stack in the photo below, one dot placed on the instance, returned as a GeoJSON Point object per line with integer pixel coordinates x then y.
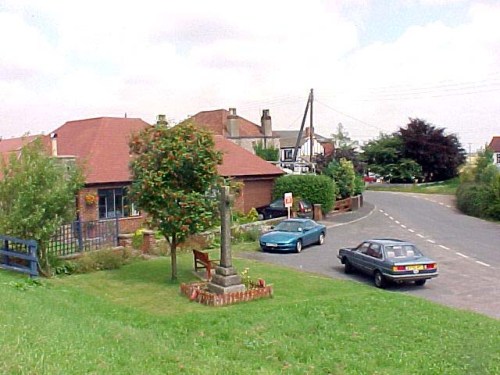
{"type": "Point", "coordinates": [53, 143]}
{"type": "Point", "coordinates": [265, 121]}
{"type": "Point", "coordinates": [161, 120]}
{"type": "Point", "coordinates": [232, 124]}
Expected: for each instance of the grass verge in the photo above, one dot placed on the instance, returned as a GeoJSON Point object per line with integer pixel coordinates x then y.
{"type": "Point", "coordinates": [445, 187]}
{"type": "Point", "coordinates": [134, 321]}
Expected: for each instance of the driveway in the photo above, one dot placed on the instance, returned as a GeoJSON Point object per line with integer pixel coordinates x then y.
{"type": "Point", "coordinates": [464, 247]}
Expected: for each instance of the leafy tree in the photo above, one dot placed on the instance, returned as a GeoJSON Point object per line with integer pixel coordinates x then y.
{"type": "Point", "coordinates": [438, 154]}
{"type": "Point", "coordinates": [37, 196]}
{"type": "Point", "coordinates": [270, 153]}
{"type": "Point", "coordinates": [385, 156]}
{"type": "Point", "coordinates": [174, 170]}
{"type": "Point", "coordinates": [386, 149]}
{"type": "Point", "coordinates": [342, 172]}
{"type": "Point", "coordinates": [346, 148]}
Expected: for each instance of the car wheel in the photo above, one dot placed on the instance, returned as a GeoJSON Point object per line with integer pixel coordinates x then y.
{"type": "Point", "coordinates": [348, 266]}
{"type": "Point", "coordinates": [321, 239]}
{"type": "Point", "coordinates": [379, 280]}
{"type": "Point", "coordinates": [298, 246]}
{"type": "Point", "coordinates": [420, 282]}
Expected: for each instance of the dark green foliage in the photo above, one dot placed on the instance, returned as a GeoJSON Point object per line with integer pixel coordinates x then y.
{"type": "Point", "coordinates": [359, 185]}
{"type": "Point", "coordinates": [317, 189]}
{"type": "Point", "coordinates": [269, 153]}
{"type": "Point", "coordinates": [438, 154]}
{"type": "Point", "coordinates": [342, 172]}
{"type": "Point", "coordinates": [37, 196]}
{"type": "Point", "coordinates": [479, 191]}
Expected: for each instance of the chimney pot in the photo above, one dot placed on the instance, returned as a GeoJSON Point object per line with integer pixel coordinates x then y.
{"type": "Point", "coordinates": [266, 123]}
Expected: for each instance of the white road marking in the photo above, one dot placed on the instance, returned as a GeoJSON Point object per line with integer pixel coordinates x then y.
{"type": "Point", "coordinates": [386, 214]}
{"type": "Point", "coordinates": [390, 217]}
{"type": "Point", "coordinates": [420, 235]}
{"type": "Point", "coordinates": [448, 206]}
{"type": "Point", "coordinates": [441, 203]}
{"type": "Point", "coordinates": [403, 226]}
{"type": "Point", "coordinates": [397, 222]}
{"type": "Point", "coordinates": [482, 263]}
{"type": "Point", "coordinates": [411, 230]}
{"type": "Point", "coordinates": [381, 210]}
{"type": "Point", "coordinates": [444, 247]}
{"type": "Point", "coordinates": [431, 241]}
{"type": "Point", "coordinates": [462, 255]}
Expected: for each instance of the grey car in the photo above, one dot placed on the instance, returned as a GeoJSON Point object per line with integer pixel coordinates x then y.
{"type": "Point", "coordinates": [387, 259]}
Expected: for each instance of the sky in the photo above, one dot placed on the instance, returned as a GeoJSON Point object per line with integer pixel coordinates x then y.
{"type": "Point", "coordinates": [372, 64]}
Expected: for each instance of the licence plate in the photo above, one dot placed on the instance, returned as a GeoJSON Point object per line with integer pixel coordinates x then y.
{"type": "Point", "coordinates": [271, 244]}
{"type": "Point", "coordinates": [415, 267]}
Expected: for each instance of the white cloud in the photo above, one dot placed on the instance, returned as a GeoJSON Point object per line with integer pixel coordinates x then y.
{"type": "Point", "coordinates": [66, 61]}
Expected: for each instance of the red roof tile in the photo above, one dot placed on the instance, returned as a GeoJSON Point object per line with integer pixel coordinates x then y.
{"type": "Point", "coordinates": [216, 121]}
{"type": "Point", "coordinates": [495, 144]}
{"type": "Point", "coordinates": [102, 145]}
{"type": "Point", "coordinates": [239, 162]}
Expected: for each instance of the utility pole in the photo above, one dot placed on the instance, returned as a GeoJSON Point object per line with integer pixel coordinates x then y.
{"type": "Point", "coordinates": [470, 153]}
{"type": "Point", "coordinates": [311, 128]}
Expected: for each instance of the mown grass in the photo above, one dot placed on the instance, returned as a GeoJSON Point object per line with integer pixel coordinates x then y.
{"type": "Point", "coordinates": [134, 321]}
{"type": "Point", "coordinates": [445, 187]}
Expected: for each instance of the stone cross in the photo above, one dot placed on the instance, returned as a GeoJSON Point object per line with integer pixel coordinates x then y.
{"type": "Point", "coordinates": [226, 278]}
{"type": "Point", "coordinates": [225, 213]}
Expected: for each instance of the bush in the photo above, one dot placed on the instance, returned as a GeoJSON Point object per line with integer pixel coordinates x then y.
{"type": "Point", "coordinates": [472, 199]}
{"type": "Point", "coordinates": [342, 172]}
{"type": "Point", "coordinates": [313, 188]}
{"type": "Point", "coordinates": [107, 259]}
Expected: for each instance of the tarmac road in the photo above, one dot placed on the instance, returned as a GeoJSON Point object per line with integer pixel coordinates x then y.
{"type": "Point", "coordinates": [465, 248]}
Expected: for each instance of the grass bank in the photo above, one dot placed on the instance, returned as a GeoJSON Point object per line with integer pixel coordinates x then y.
{"type": "Point", "coordinates": [133, 321]}
{"type": "Point", "coordinates": [445, 187]}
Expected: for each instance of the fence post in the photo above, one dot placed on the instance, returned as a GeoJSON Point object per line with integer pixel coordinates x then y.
{"type": "Point", "coordinates": [33, 250]}
{"type": "Point", "coordinates": [117, 226]}
{"type": "Point", "coordinates": [80, 234]}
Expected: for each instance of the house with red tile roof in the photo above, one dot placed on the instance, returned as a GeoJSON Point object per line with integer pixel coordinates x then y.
{"type": "Point", "coordinates": [238, 129]}
{"type": "Point", "coordinates": [101, 146]}
{"type": "Point", "coordinates": [495, 147]}
{"type": "Point", "coordinates": [257, 175]}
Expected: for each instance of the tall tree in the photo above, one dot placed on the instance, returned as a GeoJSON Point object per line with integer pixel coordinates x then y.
{"type": "Point", "coordinates": [174, 171]}
{"type": "Point", "coordinates": [37, 196]}
{"type": "Point", "coordinates": [343, 148]}
{"type": "Point", "coordinates": [384, 156]}
{"type": "Point", "coordinates": [438, 154]}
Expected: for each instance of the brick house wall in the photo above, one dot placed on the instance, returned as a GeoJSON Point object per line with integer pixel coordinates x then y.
{"type": "Point", "coordinates": [91, 212]}
{"type": "Point", "coordinates": [255, 193]}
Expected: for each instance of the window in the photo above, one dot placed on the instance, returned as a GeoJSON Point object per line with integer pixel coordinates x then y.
{"type": "Point", "coordinates": [114, 203]}
{"type": "Point", "coordinates": [363, 247]}
{"type": "Point", "coordinates": [288, 154]}
{"type": "Point", "coordinates": [498, 158]}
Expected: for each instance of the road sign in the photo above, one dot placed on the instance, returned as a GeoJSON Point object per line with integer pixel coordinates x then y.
{"type": "Point", "coordinates": [288, 198]}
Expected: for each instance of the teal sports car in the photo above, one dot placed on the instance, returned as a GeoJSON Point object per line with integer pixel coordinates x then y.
{"type": "Point", "coordinates": [293, 235]}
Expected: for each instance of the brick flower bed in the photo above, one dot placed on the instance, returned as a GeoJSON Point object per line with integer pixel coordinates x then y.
{"type": "Point", "coordinates": [198, 292]}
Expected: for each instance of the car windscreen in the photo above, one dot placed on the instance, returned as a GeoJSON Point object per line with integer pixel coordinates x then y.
{"type": "Point", "coordinates": [288, 226]}
{"type": "Point", "coordinates": [402, 251]}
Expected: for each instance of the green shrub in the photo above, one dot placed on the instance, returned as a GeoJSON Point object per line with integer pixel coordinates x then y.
{"type": "Point", "coordinates": [317, 189]}
{"type": "Point", "coordinates": [107, 259]}
{"type": "Point", "coordinates": [245, 234]}
{"type": "Point", "coordinates": [342, 172]}
{"type": "Point", "coordinates": [472, 199]}
{"type": "Point", "coordinates": [138, 239]}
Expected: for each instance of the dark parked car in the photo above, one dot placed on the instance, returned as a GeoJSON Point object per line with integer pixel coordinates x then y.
{"type": "Point", "coordinates": [277, 209]}
{"type": "Point", "coordinates": [293, 235]}
{"type": "Point", "coordinates": [389, 260]}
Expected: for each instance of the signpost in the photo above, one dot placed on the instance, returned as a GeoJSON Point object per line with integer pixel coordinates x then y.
{"type": "Point", "coordinates": [288, 199]}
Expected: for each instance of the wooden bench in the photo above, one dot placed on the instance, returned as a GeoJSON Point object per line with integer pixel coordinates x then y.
{"type": "Point", "coordinates": [202, 261]}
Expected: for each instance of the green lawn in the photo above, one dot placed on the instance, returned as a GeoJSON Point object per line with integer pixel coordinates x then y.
{"type": "Point", "coordinates": [134, 321]}
{"type": "Point", "coordinates": [445, 187]}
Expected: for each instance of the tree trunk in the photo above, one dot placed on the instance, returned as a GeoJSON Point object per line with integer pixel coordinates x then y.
{"type": "Point", "coordinates": [173, 256]}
